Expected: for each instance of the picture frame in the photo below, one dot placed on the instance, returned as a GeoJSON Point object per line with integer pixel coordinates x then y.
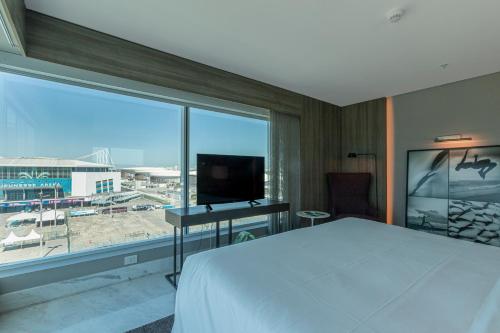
{"type": "Point", "coordinates": [455, 192]}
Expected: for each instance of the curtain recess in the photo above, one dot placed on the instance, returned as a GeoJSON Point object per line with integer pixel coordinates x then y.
{"type": "Point", "coordinates": [284, 165]}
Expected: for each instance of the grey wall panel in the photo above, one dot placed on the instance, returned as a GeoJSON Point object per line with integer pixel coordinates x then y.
{"type": "Point", "coordinates": [470, 107]}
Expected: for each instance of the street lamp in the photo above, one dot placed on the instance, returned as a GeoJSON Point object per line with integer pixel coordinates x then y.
{"type": "Point", "coordinates": [56, 195]}
{"type": "Point", "coordinates": [41, 196]}
{"type": "Point", "coordinates": [41, 220]}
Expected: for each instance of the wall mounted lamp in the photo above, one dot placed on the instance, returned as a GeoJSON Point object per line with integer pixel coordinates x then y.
{"type": "Point", "coordinates": [452, 137]}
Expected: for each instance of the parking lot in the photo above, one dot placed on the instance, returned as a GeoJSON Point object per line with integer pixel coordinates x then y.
{"type": "Point", "coordinates": [87, 232]}
{"type": "Point", "coordinates": [101, 230]}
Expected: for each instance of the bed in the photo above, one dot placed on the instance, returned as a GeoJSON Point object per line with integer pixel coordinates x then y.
{"type": "Point", "coordinates": [351, 275]}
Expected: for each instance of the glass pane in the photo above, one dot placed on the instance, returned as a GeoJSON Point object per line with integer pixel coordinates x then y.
{"type": "Point", "coordinates": [225, 134]}
{"type": "Point", "coordinates": [97, 168]}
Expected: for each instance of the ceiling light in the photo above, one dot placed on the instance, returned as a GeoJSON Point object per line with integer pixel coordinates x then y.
{"type": "Point", "coordinates": [395, 15]}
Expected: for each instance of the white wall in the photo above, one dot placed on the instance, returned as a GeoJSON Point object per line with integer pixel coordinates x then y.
{"type": "Point", "coordinates": [470, 107]}
{"type": "Point", "coordinates": [83, 183]}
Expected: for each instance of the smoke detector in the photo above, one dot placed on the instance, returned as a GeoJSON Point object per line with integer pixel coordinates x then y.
{"type": "Point", "coordinates": [395, 15]}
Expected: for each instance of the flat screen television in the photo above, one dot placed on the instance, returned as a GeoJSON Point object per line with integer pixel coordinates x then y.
{"type": "Point", "coordinates": [229, 178]}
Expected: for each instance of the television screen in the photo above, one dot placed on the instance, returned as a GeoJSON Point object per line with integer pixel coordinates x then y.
{"type": "Point", "coordinates": [228, 178]}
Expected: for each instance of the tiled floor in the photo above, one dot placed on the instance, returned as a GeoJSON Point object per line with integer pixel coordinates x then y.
{"type": "Point", "coordinates": [115, 308]}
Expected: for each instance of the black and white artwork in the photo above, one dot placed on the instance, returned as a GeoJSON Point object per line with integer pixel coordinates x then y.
{"type": "Point", "coordinates": [475, 221]}
{"type": "Point", "coordinates": [428, 191]}
{"type": "Point", "coordinates": [474, 195]}
{"type": "Point", "coordinates": [455, 192]}
{"type": "Point", "coordinates": [475, 174]}
{"type": "Point", "coordinates": [428, 214]}
{"type": "Point", "coordinates": [428, 174]}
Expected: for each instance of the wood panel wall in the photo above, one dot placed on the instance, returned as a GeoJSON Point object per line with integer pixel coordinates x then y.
{"type": "Point", "coordinates": [320, 151]}
{"type": "Point", "coordinates": [69, 44]}
{"type": "Point", "coordinates": [363, 130]}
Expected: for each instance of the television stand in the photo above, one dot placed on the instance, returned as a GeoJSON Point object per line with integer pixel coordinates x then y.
{"type": "Point", "coordinates": [253, 203]}
{"type": "Point", "coordinates": [209, 207]}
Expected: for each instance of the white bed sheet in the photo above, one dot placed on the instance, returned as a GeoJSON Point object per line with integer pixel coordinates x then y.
{"type": "Point", "coordinates": [351, 275]}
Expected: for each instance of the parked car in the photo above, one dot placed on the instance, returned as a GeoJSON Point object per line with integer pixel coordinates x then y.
{"type": "Point", "coordinates": [79, 213]}
{"type": "Point", "coordinates": [143, 207]}
{"type": "Point", "coordinates": [113, 210]}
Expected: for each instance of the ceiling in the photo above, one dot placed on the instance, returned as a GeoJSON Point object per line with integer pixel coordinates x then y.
{"type": "Point", "coordinates": [340, 51]}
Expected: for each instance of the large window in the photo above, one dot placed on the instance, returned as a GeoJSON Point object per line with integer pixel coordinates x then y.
{"type": "Point", "coordinates": [96, 168]}
{"type": "Point", "coordinates": [82, 168]}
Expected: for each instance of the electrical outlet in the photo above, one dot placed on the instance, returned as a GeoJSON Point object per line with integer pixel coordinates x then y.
{"type": "Point", "coordinates": [130, 260]}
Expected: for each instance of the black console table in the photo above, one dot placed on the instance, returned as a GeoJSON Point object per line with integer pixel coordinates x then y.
{"type": "Point", "coordinates": [185, 217]}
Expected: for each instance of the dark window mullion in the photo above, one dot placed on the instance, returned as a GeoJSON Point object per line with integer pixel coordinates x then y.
{"type": "Point", "coordinates": [185, 159]}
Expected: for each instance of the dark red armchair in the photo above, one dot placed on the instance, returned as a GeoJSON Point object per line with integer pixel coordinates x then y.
{"type": "Point", "coordinates": [348, 195]}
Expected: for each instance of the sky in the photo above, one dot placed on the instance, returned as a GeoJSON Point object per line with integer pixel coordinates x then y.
{"type": "Point", "coordinates": [45, 118]}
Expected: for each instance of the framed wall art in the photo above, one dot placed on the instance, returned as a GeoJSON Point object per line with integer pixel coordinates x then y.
{"type": "Point", "coordinates": [455, 192]}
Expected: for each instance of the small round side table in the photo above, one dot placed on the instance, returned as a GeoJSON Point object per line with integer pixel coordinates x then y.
{"type": "Point", "coordinates": [312, 214]}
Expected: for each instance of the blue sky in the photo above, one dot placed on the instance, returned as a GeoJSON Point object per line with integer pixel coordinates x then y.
{"type": "Point", "coordinates": [43, 118]}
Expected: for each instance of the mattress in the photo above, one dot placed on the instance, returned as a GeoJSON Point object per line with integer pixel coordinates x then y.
{"type": "Point", "coordinates": [350, 275]}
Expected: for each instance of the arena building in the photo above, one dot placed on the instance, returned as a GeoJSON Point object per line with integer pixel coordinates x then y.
{"type": "Point", "coordinates": [24, 179]}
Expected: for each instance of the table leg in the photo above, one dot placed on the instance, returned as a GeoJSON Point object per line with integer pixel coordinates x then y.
{"type": "Point", "coordinates": [217, 234]}
{"type": "Point", "coordinates": [279, 222]}
{"type": "Point", "coordinates": [230, 232]}
{"type": "Point", "coordinates": [174, 274]}
{"type": "Point", "coordinates": [182, 249]}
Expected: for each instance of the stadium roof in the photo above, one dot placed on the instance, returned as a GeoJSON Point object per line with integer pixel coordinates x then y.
{"type": "Point", "coordinates": [154, 171]}
{"type": "Point", "coordinates": [48, 162]}
{"type": "Point", "coordinates": [157, 171]}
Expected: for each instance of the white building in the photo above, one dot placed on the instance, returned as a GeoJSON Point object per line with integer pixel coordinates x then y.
{"type": "Point", "coordinates": [86, 184]}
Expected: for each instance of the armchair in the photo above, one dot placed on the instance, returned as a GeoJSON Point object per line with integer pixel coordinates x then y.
{"type": "Point", "coordinates": [348, 195]}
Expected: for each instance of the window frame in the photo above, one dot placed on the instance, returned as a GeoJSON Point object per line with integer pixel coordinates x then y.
{"type": "Point", "coordinates": [40, 69]}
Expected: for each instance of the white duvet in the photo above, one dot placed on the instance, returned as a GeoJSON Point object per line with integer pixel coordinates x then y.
{"type": "Point", "coordinates": [350, 275]}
